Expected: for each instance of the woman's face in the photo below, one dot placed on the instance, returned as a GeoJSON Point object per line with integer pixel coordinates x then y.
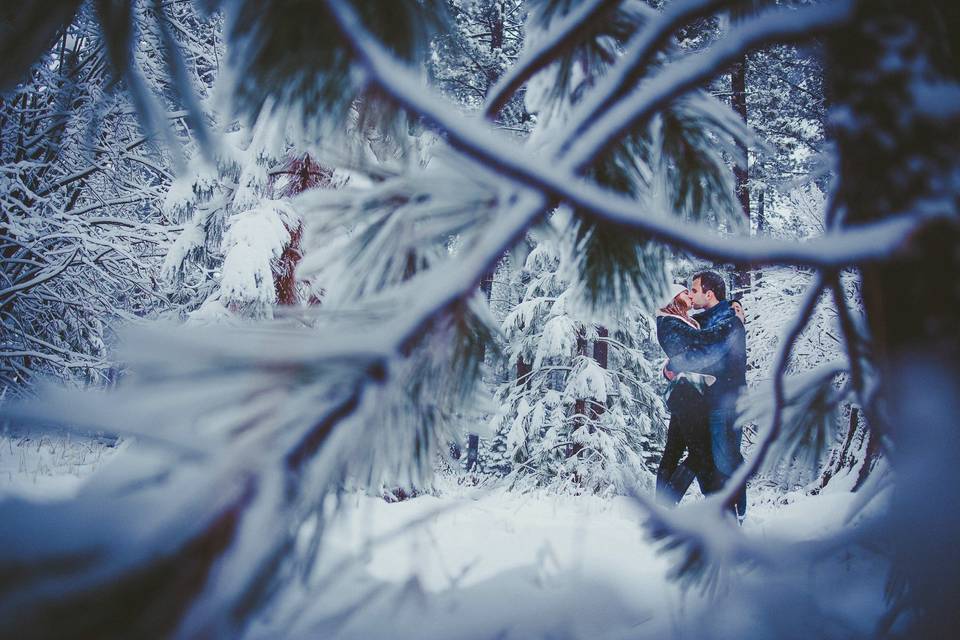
{"type": "Point", "coordinates": [684, 299]}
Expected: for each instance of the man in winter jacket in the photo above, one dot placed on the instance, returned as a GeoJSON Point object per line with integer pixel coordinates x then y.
{"type": "Point", "coordinates": [723, 354]}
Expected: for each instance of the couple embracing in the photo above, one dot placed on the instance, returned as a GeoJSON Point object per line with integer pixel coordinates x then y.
{"type": "Point", "coordinates": [707, 372]}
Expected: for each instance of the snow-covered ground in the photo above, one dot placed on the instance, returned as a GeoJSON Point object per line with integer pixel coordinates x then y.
{"type": "Point", "coordinates": [467, 563]}
{"type": "Point", "coordinates": [498, 566]}
{"type": "Point", "coordinates": [50, 467]}
{"type": "Point", "coordinates": [509, 566]}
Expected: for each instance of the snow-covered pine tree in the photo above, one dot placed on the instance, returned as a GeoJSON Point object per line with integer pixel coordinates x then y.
{"type": "Point", "coordinates": [484, 40]}
{"type": "Point", "coordinates": [893, 83]}
{"type": "Point", "coordinates": [582, 415]}
{"type": "Point", "coordinates": [237, 225]}
{"type": "Point", "coordinates": [678, 158]}
{"type": "Point", "coordinates": [785, 95]}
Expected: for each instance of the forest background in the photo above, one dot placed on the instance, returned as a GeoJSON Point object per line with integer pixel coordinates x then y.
{"type": "Point", "coordinates": [382, 242]}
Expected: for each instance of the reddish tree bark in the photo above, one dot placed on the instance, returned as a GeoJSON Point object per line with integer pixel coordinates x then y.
{"type": "Point", "coordinates": [601, 353]}
{"type": "Point", "coordinates": [579, 405]}
{"type": "Point", "coordinates": [523, 372]}
{"type": "Point", "coordinates": [284, 272]}
{"type": "Point", "coordinates": [303, 173]}
{"type": "Point", "coordinates": [601, 349]}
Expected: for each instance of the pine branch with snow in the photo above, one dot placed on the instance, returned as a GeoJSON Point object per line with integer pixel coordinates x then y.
{"type": "Point", "coordinates": [285, 412]}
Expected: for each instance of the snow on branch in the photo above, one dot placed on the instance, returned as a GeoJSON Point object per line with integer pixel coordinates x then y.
{"type": "Point", "coordinates": [44, 276]}
{"type": "Point", "coordinates": [254, 240]}
{"type": "Point", "coordinates": [680, 77]}
{"type": "Point", "coordinates": [639, 52]}
{"type": "Point", "coordinates": [559, 40]}
{"type": "Point", "coordinates": [440, 289]}
{"type": "Point", "coordinates": [862, 244]}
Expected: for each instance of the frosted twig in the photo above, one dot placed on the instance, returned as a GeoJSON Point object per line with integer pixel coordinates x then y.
{"type": "Point", "coordinates": [853, 343]}
{"type": "Point", "coordinates": [639, 52]}
{"type": "Point", "coordinates": [563, 37]}
{"type": "Point", "coordinates": [40, 279]}
{"type": "Point", "coordinates": [866, 243]}
{"type": "Point", "coordinates": [688, 73]}
{"type": "Point", "coordinates": [851, 336]}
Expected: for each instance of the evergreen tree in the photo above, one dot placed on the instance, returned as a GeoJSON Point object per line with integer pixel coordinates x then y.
{"type": "Point", "coordinates": [585, 413]}
{"type": "Point", "coordinates": [235, 231]}
{"type": "Point", "coordinates": [484, 40]}
{"type": "Point", "coordinates": [893, 78]}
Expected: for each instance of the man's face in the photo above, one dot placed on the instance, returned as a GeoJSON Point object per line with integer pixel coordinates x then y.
{"type": "Point", "coordinates": [698, 296]}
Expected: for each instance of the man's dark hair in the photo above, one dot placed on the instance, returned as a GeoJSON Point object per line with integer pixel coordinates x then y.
{"type": "Point", "coordinates": [712, 281]}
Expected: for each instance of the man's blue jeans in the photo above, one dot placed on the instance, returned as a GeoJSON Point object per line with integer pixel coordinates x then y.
{"type": "Point", "coordinates": [725, 439]}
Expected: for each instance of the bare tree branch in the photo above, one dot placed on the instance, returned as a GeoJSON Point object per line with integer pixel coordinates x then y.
{"type": "Point", "coordinates": [835, 250]}
{"type": "Point", "coordinates": [5, 294]}
{"type": "Point", "coordinates": [778, 25]}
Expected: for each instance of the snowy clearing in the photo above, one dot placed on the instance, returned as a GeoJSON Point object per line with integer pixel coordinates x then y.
{"type": "Point", "coordinates": [487, 563]}
{"type": "Point", "coordinates": [50, 467]}
{"type": "Point", "coordinates": [511, 566]}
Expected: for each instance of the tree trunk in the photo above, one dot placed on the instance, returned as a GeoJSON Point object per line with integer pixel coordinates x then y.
{"type": "Point", "coordinates": [840, 456]}
{"type": "Point", "coordinates": [601, 348]}
{"type": "Point", "coordinates": [601, 353]}
{"type": "Point", "coordinates": [495, 22]}
{"type": "Point", "coordinates": [486, 285]}
{"type": "Point", "coordinates": [738, 100]}
{"type": "Point", "coordinates": [473, 451]}
{"type": "Point", "coordinates": [761, 229]}
{"type": "Point", "coordinates": [473, 440]}
{"type": "Point", "coordinates": [871, 456]}
{"type": "Point", "coordinates": [285, 271]}
{"type": "Point", "coordinates": [580, 404]}
{"type": "Point", "coordinates": [523, 372]}
{"type": "Point", "coordinates": [303, 173]}
{"type": "Point", "coordinates": [496, 26]}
